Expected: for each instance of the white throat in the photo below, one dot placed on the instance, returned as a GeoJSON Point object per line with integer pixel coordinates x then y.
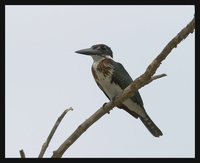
{"type": "Point", "coordinates": [98, 58]}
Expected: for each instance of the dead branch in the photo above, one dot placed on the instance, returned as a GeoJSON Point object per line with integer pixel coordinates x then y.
{"type": "Point", "coordinates": [156, 77]}
{"type": "Point", "coordinates": [151, 69]}
{"type": "Point", "coordinates": [46, 143]}
{"type": "Point", "coordinates": [128, 92]}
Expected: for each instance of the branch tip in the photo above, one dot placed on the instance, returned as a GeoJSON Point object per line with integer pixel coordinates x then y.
{"type": "Point", "coordinates": [53, 130]}
{"type": "Point", "coordinates": [22, 154]}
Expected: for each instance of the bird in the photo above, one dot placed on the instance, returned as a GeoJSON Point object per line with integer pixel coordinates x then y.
{"type": "Point", "coordinates": [112, 78]}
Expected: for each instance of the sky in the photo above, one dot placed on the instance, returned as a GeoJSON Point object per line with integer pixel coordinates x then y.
{"type": "Point", "coordinates": [44, 76]}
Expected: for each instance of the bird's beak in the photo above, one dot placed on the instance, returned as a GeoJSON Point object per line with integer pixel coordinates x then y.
{"type": "Point", "coordinates": [88, 51]}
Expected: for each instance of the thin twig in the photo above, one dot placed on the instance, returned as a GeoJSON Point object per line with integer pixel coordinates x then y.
{"type": "Point", "coordinates": [46, 143]}
{"type": "Point", "coordinates": [128, 92]}
{"type": "Point", "coordinates": [156, 77]}
{"type": "Point", "coordinates": [22, 154]}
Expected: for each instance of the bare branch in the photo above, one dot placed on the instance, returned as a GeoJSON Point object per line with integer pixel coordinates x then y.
{"type": "Point", "coordinates": [156, 77]}
{"type": "Point", "coordinates": [46, 143]}
{"type": "Point", "coordinates": [151, 69]}
{"type": "Point", "coordinates": [128, 92]}
{"type": "Point", "coordinates": [81, 129]}
{"type": "Point", "coordinates": [22, 154]}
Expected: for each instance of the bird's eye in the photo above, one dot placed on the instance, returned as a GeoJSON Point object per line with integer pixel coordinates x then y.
{"type": "Point", "coordinates": [103, 48]}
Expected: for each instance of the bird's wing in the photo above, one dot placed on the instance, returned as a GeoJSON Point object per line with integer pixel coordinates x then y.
{"type": "Point", "coordinates": [123, 79]}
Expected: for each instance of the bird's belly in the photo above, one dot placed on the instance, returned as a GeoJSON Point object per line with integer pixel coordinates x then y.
{"type": "Point", "coordinates": [112, 89]}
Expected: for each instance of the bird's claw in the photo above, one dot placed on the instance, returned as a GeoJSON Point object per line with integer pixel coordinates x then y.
{"type": "Point", "coordinates": [104, 106]}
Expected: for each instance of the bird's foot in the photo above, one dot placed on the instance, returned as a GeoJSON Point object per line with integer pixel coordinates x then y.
{"type": "Point", "coordinates": [104, 106]}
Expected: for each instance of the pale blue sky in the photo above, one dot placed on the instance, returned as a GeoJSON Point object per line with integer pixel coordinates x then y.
{"type": "Point", "coordinates": [44, 76]}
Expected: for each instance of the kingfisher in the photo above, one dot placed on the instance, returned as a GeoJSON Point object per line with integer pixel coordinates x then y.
{"type": "Point", "coordinates": [112, 79]}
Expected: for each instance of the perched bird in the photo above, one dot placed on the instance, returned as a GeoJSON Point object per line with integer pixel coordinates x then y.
{"type": "Point", "coordinates": [112, 78]}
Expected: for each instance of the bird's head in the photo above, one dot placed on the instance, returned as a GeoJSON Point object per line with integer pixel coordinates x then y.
{"type": "Point", "coordinates": [99, 50]}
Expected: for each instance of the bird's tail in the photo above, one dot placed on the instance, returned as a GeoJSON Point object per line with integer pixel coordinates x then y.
{"type": "Point", "coordinates": [150, 125]}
